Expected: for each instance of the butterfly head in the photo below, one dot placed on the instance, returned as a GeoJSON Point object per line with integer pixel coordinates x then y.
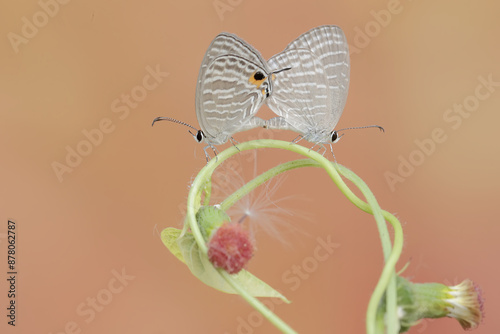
{"type": "Point", "coordinates": [199, 136]}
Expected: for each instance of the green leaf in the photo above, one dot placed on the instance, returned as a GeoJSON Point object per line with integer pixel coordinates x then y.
{"type": "Point", "coordinates": [169, 237]}
{"type": "Point", "coordinates": [186, 249]}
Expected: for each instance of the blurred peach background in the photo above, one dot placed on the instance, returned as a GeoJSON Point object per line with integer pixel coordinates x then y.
{"type": "Point", "coordinates": [100, 218]}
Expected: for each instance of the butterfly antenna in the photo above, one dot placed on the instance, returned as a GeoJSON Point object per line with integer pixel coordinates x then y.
{"type": "Point", "coordinates": [173, 120]}
{"type": "Point", "coordinates": [363, 127]}
{"type": "Point", "coordinates": [283, 69]}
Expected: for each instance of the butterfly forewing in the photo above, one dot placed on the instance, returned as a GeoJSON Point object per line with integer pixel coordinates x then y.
{"type": "Point", "coordinates": [301, 94]}
{"type": "Point", "coordinates": [229, 44]}
{"type": "Point", "coordinates": [226, 96]}
{"type": "Point", "coordinates": [230, 96]}
{"type": "Point", "coordinates": [329, 44]}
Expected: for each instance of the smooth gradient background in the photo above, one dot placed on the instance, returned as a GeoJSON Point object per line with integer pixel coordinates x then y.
{"type": "Point", "coordinates": [101, 217]}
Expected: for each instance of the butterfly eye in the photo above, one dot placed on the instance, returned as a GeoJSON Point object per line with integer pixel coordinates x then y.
{"type": "Point", "coordinates": [335, 137]}
{"type": "Point", "coordinates": [199, 136]}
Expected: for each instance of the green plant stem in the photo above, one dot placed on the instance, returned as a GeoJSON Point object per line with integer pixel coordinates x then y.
{"type": "Point", "coordinates": [256, 304]}
{"type": "Point", "coordinates": [373, 207]}
{"type": "Point", "coordinates": [262, 178]}
{"type": "Point", "coordinates": [207, 191]}
{"type": "Point", "coordinates": [387, 279]}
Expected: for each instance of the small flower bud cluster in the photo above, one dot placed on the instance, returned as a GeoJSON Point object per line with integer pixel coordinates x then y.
{"type": "Point", "coordinates": [416, 301]}
{"type": "Point", "coordinates": [230, 248]}
{"type": "Point", "coordinates": [229, 244]}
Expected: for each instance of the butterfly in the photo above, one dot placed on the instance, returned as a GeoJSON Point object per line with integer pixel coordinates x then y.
{"type": "Point", "coordinates": [310, 97]}
{"type": "Point", "coordinates": [233, 83]}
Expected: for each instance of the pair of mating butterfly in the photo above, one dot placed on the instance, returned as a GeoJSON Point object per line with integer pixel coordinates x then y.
{"type": "Point", "coordinates": [305, 85]}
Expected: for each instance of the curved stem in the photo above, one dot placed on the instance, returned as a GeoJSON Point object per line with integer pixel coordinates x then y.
{"type": "Point", "coordinates": [256, 304]}
{"type": "Point", "coordinates": [262, 178]}
{"type": "Point", "coordinates": [387, 279]}
{"type": "Point", "coordinates": [207, 191]}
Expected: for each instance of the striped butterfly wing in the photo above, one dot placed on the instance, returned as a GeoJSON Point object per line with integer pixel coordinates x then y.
{"type": "Point", "coordinates": [329, 44]}
{"type": "Point", "coordinates": [221, 108]}
{"type": "Point", "coordinates": [231, 92]}
{"type": "Point", "coordinates": [229, 44]}
{"type": "Point", "coordinates": [300, 95]}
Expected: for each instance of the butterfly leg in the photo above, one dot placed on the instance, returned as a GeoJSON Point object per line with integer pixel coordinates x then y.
{"type": "Point", "coordinates": [321, 147]}
{"type": "Point", "coordinates": [214, 149]}
{"type": "Point", "coordinates": [316, 144]}
{"type": "Point", "coordinates": [297, 139]}
{"type": "Point", "coordinates": [331, 150]}
{"type": "Point", "coordinates": [234, 142]}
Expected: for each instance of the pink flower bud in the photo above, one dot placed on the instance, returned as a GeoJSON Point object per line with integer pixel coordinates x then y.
{"type": "Point", "coordinates": [230, 248]}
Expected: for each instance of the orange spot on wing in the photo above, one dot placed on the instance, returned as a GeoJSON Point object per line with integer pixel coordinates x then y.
{"type": "Point", "coordinates": [256, 82]}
